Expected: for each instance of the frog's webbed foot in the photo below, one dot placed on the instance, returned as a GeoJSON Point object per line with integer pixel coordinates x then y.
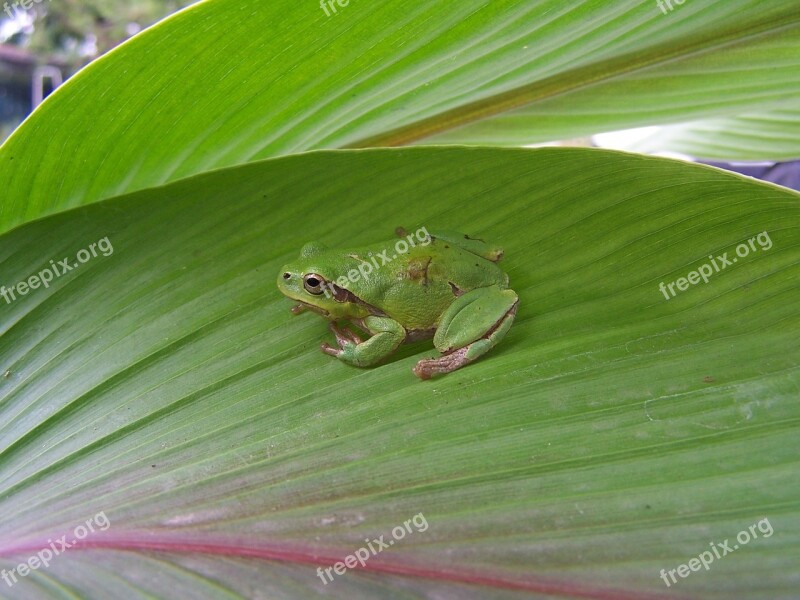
{"type": "Point", "coordinates": [428, 367]}
{"type": "Point", "coordinates": [344, 335]}
{"type": "Point", "coordinates": [344, 338]}
{"type": "Point", "coordinates": [298, 308]}
{"type": "Point", "coordinates": [474, 324]}
{"type": "Point", "coordinates": [386, 336]}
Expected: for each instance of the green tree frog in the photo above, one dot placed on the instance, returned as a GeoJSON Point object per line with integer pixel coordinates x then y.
{"type": "Point", "coordinates": [443, 285]}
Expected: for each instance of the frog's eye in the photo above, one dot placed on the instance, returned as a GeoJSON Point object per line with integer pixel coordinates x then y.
{"type": "Point", "coordinates": [313, 284]}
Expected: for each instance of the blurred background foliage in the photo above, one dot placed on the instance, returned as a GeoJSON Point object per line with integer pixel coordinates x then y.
{"type": "Point", "coordinates": [73, 32]}
{"type": "Point", "coordinates": [62, 35]}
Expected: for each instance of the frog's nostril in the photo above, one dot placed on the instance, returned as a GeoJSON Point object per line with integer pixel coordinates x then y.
{"type": "Point", "coordinates": [287, 275]}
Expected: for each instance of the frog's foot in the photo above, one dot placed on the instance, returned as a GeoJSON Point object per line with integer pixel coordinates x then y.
{"type": "Point", "coordinates": [473, 325]}
{"type": "Point", "coordinates": [428, 367]}
{"type": "Point", "coordinates": [344, 338]}
{"type": "Point", "coordinates": [328, 349]}
{"type": "Point", "coordinates": [386, 336]}
{"type": "Point", "coordinates": [344, 335]}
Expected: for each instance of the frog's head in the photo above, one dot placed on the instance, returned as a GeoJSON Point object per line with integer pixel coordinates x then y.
{"type": "Point", "coordinates": [310, 280]}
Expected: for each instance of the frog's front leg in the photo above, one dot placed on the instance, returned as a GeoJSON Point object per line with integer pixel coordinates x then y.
{"type": "Point", "coordinates": [474, 324]}
{"type": "Point", "coordinates": [386, 335]}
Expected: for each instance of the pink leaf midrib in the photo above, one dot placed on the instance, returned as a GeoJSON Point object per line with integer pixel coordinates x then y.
{"type": "Point", "coordinates": [390, 563]}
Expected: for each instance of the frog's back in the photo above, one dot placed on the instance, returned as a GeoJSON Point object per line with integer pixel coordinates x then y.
{"type": "Point", "coordinates": [417, 286]}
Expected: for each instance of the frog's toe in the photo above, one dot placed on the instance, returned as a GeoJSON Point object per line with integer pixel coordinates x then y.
{"type": "Point", "coordinates": [429, 367]}
{"type": "Point", "coordinates": [344, 335]}
{"type": "Point", "coordinates": [328, 349]}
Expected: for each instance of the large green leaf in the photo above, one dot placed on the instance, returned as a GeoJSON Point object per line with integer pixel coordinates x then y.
{"type": "Point", "coordinates": [230, 81]}
{"type": "Point", "coordinates": [612, 434]}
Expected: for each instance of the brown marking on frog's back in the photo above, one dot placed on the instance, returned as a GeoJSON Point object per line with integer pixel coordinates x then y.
{"type": "Point", "coordinates": [417, 269]}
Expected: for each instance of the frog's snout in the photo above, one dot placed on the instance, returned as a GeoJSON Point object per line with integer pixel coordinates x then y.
{"type": "Point", "coordinates": [284, 278]}
{"type": "Point", "coordinates": [290, 283]}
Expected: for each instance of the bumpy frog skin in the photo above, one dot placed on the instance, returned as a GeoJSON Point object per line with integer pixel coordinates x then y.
{"type": "Point", "coordinates": [444, 285]}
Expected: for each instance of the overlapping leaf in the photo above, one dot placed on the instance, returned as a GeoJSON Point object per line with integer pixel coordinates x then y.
{"type": "Point", "coordinates": [230, 81]}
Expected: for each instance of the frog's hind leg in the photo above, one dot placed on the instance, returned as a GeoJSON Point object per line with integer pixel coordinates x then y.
{"type": "Point", "coordinates": [474, 324]}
